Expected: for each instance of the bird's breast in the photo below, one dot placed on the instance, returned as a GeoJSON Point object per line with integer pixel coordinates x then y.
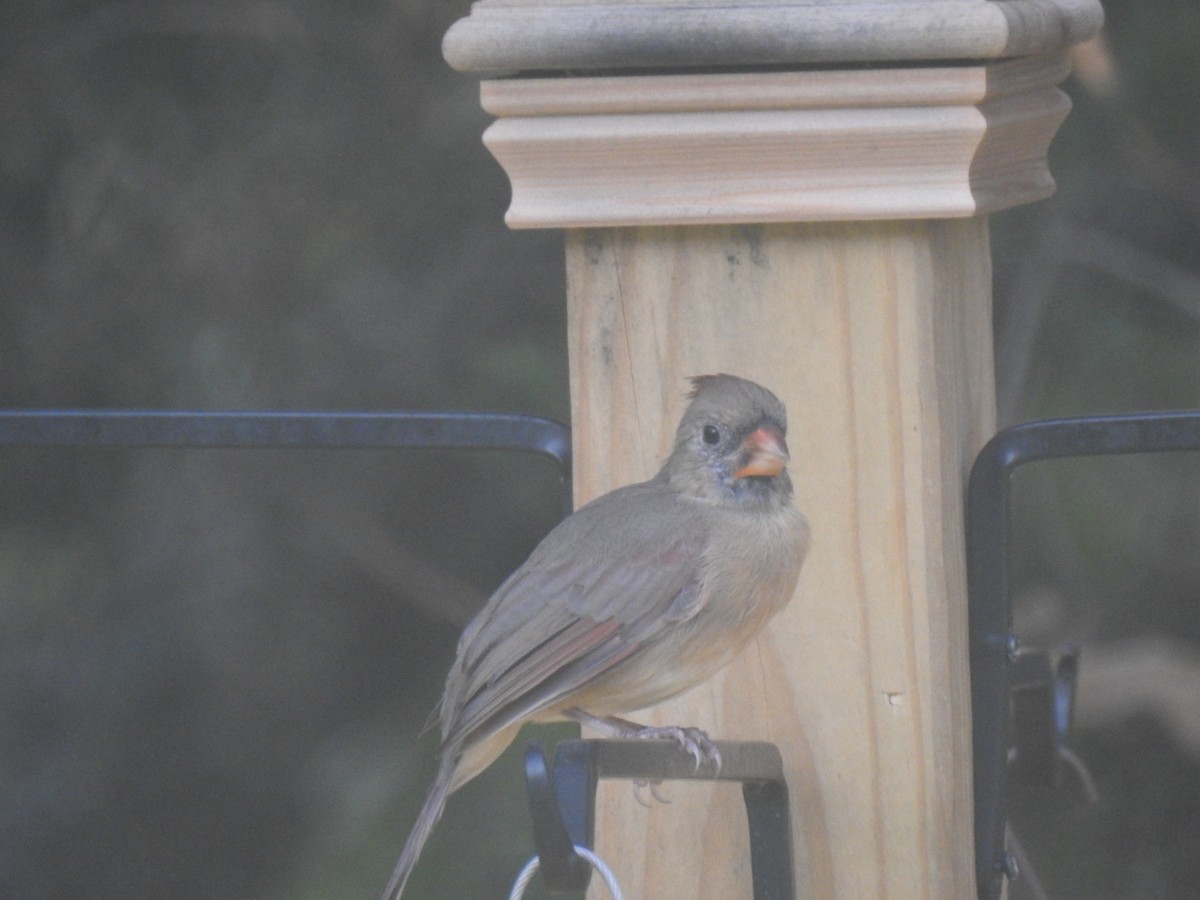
{"type": "Point", "coordinates": [750, 569]}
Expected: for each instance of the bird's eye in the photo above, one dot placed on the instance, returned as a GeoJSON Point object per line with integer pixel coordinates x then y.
{"type": "Point", "coordinates": [711, 434]}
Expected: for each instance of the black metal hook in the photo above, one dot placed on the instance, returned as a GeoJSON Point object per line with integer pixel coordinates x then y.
{"type": "Point", "coordinates": [561, 867]}
{"type": "Point", "coordinates": [563, 803]}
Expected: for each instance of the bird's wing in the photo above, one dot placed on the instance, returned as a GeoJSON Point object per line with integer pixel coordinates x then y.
{"type": "Point", "coordinates": [583, 602]}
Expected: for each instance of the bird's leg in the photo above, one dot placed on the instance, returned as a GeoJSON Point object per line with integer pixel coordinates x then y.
{"type": "Point", "coordinates": [698, 744]}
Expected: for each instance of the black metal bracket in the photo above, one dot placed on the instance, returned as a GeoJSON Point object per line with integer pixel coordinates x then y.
{"type": "Point", "coordinates": [298, 430]}
{"type": "Point", "coordinates": [1042, 700]}
{"type": "Point", "coordinates": [1017, 700]}
{"type": "Point", "coordinates": [563, 803]}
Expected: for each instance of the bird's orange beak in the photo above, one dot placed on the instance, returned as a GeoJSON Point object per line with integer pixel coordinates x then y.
{"type": "Point", "coordinates": [764, 453]}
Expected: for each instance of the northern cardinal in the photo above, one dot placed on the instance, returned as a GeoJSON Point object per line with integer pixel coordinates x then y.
{"type": "Point", "coordinates": [632, 599]}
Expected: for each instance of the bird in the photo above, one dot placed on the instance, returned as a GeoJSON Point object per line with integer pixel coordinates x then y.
{"type": "Point", "coordinates": [632, 599]}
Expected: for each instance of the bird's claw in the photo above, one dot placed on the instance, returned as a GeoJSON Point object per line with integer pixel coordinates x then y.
{"type": "Point", "coordinates": [693, 741]}
{"type": "Point", "coordinates": [654, 785]}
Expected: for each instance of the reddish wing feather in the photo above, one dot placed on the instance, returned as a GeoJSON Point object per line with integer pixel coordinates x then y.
{"type": "Point", "coordinates": [584, 614]}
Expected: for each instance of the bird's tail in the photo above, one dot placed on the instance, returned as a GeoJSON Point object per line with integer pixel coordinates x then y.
{"type": "Point", "coordinates": [435, 802]}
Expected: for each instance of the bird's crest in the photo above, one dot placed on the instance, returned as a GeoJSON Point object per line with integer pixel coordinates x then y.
{"type": "Point", "coordinates": [699, 381]}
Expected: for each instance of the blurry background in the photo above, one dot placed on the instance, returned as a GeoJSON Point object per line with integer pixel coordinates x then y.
{"type": "Point", "coordinates": [214, 665]}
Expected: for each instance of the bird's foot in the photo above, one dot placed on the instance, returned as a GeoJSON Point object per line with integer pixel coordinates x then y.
{"type": "Point", "coordinates": [694, 742]}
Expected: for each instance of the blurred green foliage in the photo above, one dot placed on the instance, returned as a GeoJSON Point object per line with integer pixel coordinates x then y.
{"type": "Point", "coordinates": [215, 664]}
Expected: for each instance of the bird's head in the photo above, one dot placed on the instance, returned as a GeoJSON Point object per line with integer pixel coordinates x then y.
{"type": "Point", "coordinates": [730, 444]}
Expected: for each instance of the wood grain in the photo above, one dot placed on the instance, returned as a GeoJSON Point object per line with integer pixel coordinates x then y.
{"type": "Point", "coordinates": [877, 337]}
{"type": "Point", "coordinates": [914, 142]}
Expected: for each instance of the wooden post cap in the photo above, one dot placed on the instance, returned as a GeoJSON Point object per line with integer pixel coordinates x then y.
{"type": "Point", "coordinates": [568, 35]}
{"type": "Point", "coordinates": [918, 109]}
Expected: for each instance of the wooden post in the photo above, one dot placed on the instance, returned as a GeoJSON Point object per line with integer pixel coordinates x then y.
{"type": "Point", "coordinates": [822, 231]}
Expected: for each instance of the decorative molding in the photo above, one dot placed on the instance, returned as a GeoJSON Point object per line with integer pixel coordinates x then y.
{"type": "Point", "coordinates": [878, 143]}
